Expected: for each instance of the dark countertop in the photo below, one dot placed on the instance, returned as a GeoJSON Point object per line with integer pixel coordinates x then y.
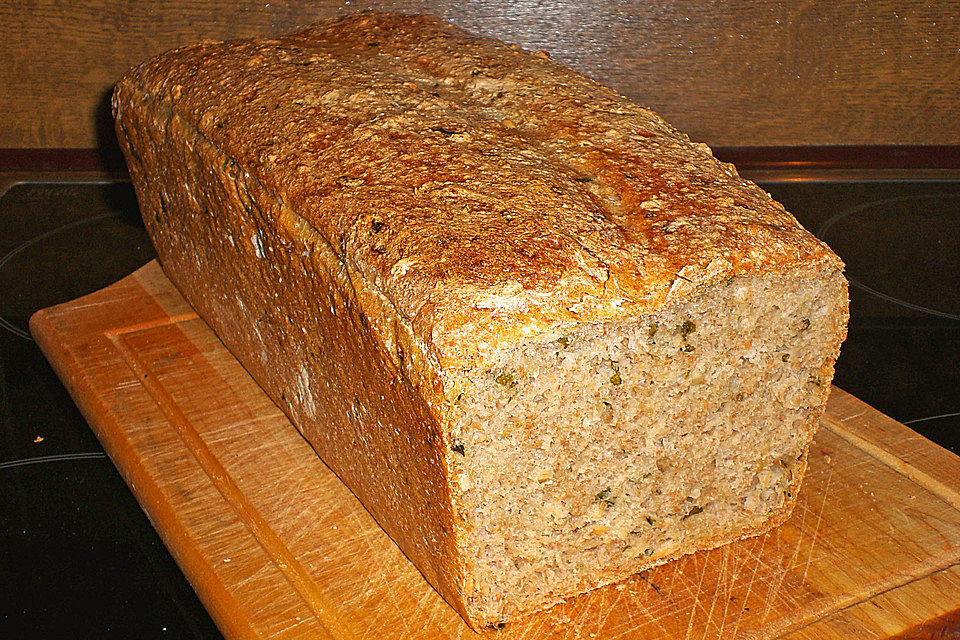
{"type": "Point", "coordinates": [77, 555]}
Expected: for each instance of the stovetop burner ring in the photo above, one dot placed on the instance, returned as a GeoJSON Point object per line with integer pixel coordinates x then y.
{"type": "Point", "coordinates": [13, 253]}
{"type": "Point", "coordinates": [880, 205]}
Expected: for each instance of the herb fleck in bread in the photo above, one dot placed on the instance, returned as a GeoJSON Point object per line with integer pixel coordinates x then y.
{"type": "Point", "coordinates": [545, 339]}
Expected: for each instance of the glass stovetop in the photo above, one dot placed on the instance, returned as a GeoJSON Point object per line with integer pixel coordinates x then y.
{"type": "Point", "coordinates": [78, 556]}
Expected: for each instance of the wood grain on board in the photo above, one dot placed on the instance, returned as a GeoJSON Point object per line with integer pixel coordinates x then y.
{"type": "Point", "coordinates": [277, 547]}
{"type": "Point", "coordinates": [789, 72]}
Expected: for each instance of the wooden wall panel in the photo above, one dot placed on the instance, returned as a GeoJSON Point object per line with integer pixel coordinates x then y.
{"type": "Point", "coordinates": [794, 72]}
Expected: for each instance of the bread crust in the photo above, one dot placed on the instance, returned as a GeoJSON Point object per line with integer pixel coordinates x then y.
{"type": "Point", "coordinates": [302, 306]}
{"type": "Point", "coordinates": [390, 200]}
{"type": "Point", "coordinates": [487, 193]}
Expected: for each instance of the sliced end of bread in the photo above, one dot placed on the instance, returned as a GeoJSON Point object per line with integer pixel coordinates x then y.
{"type": "Point", "coordinates": [585, 457]}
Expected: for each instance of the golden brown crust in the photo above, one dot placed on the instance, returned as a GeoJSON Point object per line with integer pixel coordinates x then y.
{"type": "Point", "coordinates": [353, 401]}
{"type": "Point", "coordinates": [448, 196]}
{"type": "Point", "coordinates": [571, 203]}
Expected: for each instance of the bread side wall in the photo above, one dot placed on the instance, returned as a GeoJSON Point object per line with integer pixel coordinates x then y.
{"type": "Point", "coordinates": [282, 301]}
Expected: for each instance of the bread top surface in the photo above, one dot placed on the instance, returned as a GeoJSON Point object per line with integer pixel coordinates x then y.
{"type": "Point", "coordinates": [489, 194]}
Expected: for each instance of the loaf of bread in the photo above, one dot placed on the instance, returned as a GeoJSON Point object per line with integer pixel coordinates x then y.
{"type": "Point", "coordinates": [544, 338]}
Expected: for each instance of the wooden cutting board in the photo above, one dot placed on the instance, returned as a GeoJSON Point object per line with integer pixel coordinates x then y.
{"type": "Point", "coordinates": [277, 547]}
